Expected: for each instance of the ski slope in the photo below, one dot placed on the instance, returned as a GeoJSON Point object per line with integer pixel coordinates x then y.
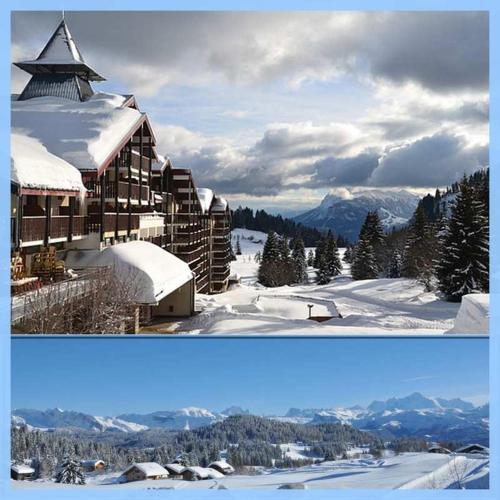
{"type": "Point", "coordinates": [378, 306]}
{"type": "Point", "coordinates": [406, 471]}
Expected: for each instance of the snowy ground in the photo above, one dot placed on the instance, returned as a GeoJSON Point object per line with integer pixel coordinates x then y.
{"type": "Point", "coordinates": [379, 306]}
{"type": "Point", "coordinates": [408, 471]}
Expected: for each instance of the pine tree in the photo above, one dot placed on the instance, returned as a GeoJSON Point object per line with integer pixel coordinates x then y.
{"type": "Point", "coordinates": [238, 245]}
{"type": "Point", "coordinates": [70, 472]}
{"type": "Point", "coordinates": [395, 265]}
{"type": "Point", "coordinates": [332, 256]}
{"type": "Point", "coordinates": [320, 250]}
{"type": "Point", "coordinates": [310, 258]}
{"type": "Point", "coordinates": [365, 263]}
{"type": "Point", "coordinates": [373, 233]}
{"type": "Point", "coordinates": [323, 276]}
{"type": "Point", "coordinates": [420, 249]}
{"type": "Point", "coordinates": [464, 254]}
{"type": "Point", "coordinates": [299, 261]}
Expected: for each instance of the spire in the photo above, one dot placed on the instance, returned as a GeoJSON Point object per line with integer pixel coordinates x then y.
{"type": "Point", "coordinates": [59, 70]}
{"type": "Point", "coordinates": [60, 55]}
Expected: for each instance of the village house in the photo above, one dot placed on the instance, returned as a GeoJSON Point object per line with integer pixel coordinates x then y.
{"type": "Point", "coordinates": [145, 470]}
{"type": "Point", "coordinates": [174, 470]}
{"type": "Point", "coordinates": [222, 466]}
{"type": "Point", "coordinates": [478, 449]}
{"type": "Point", "coordinates": [92, 465]}
{"type": "Point", "coordinates": [196, 473]}
{"type": "Point", "coordinates": [86, 176]}
{"type": "Point", "coordinates": [439, 449]}
{"type": "Point", "coordinates": [21, 472]}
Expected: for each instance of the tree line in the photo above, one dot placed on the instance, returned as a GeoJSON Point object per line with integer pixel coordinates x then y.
{"type": "Point", "coordinates": [262, 221]}
{"type": "Point", "coordinates": [445, 246]}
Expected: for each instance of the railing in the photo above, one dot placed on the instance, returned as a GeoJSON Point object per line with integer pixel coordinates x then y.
{"type": "Point", "coordinates": [33, 227]}
{"type": "Point", "coordinates": [222, 276]}
{"type": "Point", "coordinates": [94, 223]}
{"type": "Point", "coordinates": [111, 189]}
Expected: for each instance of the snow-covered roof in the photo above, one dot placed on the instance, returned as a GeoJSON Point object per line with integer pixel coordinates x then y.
{"type": "Point", "coordinates": [153, 272]}
{"type": "Point", "coordinates": [176, 468]}
{"type": "Point", "coordinates": [84, 134]}
{"type": "Point", "coordinates": [464, 449]}
{"type": "Point", "coordinates": [91, 463]}
{"type": "Point", "coordinates": [23, 469]}
{"type": "Point", "coordinates": [205, 472]}
{"type": "Point", "coordinates": [159, 164]}
{"type": "Point", "coordinates": [222, 464]}
{"type": "Point", "coordinates": [219, 204]}
{"type": "Point", "coordinates": [32, 166]}
{"type": "Point", "coordinates": [149, 469]}
{"type": "Point", "coordinates": [205, 196]}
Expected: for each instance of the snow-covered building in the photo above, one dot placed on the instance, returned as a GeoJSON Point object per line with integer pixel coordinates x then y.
{"type": "Point", "coordinates": [85, 173]}
{"type": "Point", "coordinates": [92, 465]}
{"type": "Point", "coordinates": [439, 449]}
{"type": "Point", "coordinates": [159, 281]}
{"type": "Point", "coordinates": [478, 449]}
{"type": "Point", "coordinates": [222, 466]}
{"type": "Point", "coordinates": [196, 473]}
{"type": "Point", "coordinates": [174, 470]}
{"type": "Point", "coordinates": [145, 470]}
{"type": "Point", "coordinates": [21, 472]}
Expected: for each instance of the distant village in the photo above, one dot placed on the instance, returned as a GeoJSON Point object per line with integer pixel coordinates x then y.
{"type": "Point", "coordinates": [101, 221]}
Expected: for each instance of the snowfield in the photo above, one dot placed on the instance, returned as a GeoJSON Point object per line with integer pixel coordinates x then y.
{"type": "Point", "coordinates": [378, 306]}
{"type": "Point", "coordinates": [406, 471]}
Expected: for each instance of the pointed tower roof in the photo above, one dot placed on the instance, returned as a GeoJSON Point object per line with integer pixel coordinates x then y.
{"type": "Point", "coordinates": [60, 56]}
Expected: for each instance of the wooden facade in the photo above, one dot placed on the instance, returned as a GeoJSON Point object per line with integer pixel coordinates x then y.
{"type": "Point", "coordinates": [131, 195]}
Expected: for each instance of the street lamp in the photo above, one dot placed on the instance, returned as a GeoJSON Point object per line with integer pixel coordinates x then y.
{"type": "Point", "coordinates": [310, 306]}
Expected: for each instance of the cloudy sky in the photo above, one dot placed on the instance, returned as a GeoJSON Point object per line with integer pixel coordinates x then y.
{"type": "Point", "coordinates": [277, 109]}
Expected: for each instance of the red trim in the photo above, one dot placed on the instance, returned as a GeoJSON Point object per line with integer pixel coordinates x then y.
{"type": "Point", "coordinates": [51, 192]}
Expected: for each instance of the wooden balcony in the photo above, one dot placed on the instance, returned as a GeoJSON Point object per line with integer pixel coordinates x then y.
{"type": "Point", "coordinates": [34, 227]}
{"type": "Point", "coordinates": [111, 190]}
{"type": "Point", "coordinates": [94, 222]}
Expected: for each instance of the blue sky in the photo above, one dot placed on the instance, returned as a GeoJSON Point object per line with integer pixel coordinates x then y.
{"type": "Point", "coordinates": [268, 108]}
{"type": "Point", "coordinates": [267, 376]}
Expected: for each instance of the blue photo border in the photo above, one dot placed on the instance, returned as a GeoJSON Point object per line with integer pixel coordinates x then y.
{"type": "Point", "coordinates": [493, 6]}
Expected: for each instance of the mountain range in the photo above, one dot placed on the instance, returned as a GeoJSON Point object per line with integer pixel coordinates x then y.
{"type": "Point", "coordinates": [345, 216]}
{"type": "Point", "coordinates": [411, 416]}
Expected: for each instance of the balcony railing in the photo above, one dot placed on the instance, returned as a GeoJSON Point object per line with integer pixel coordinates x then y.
{"type": "Point", "coordinates": [111, 190]}
{"type": "Point", "coordinates": [94, 223]}
{"type": "Point", "coordinates": [33, 227]}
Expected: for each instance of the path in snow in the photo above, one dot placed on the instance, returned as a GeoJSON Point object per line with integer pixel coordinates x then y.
{"type": "Point", "coordinates": [388, 306]}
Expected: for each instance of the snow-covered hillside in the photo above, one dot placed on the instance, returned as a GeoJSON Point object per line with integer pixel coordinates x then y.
{"type": "Point", "coordinates": [405, 471]}
{"type": "Point", "coordinates": [346, 215]}
{"type": "Point", "coordinates": [389, 306]}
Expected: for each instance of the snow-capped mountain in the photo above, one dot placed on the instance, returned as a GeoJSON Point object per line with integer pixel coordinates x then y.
{"type": "Point", "coordinates": [175, 419]}
{"type": "Point", "coordinates": [346, 215]}
{"type": "Point", "coordinates": [58, 419]}
{"type": "Point", "coordinates": [414, 415]}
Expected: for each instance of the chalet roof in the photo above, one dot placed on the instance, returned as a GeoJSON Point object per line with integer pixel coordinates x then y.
{"type": "Point", "coordinates": [222, 464]}
{"type": "Point", "coordinates": [205, 196]}
{"type": "Point", "coordinates": [152, 272]}
{"type": "Point", "coordinates": [91, 463]}
{"type": "Point", "coordinates": [219, 204]}
{"type": "Point", "coordinates": [84, 134]}
{"type": "Point", "coordinates": [160, 163]}
{"type": "Point", "coordinates": [33, 167]}
{"type": "Point", "coordinates": [22, 469]}
{"type": "Point", "coordinates": [60, 55]}
{"type": "Point", "coordinates": [175, 468]}
{"type": "Point", "coordinates": [475, 446]}
{"type": "Point", "coordinates": [149, 469]}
